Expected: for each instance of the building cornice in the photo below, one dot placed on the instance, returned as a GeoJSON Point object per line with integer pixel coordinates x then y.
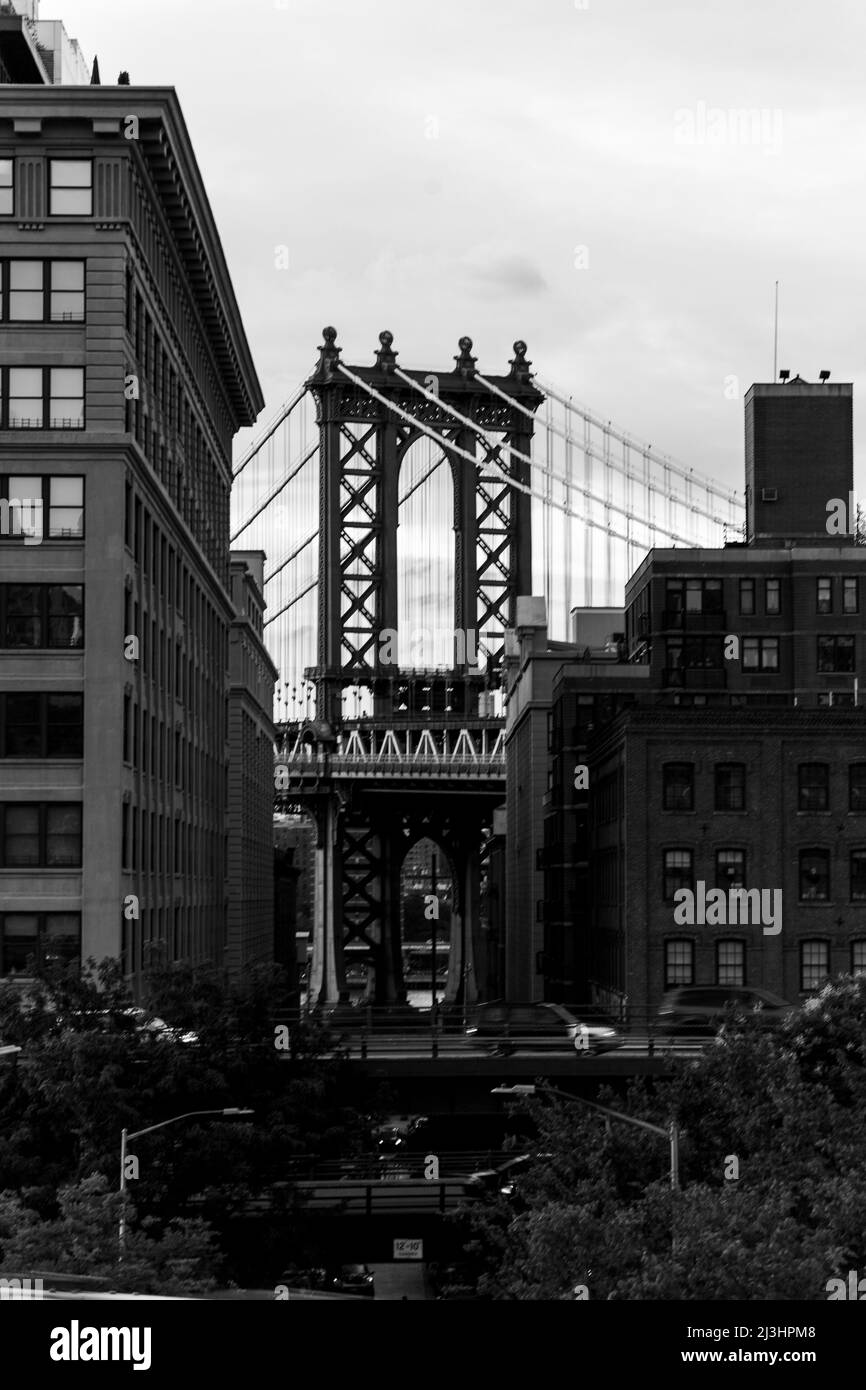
{"type": "Point", "coordinates": [166, 146]}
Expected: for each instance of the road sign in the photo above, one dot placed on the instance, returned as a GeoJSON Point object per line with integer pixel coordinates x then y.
{"type": "Point", "coordinates": [408, 1249]}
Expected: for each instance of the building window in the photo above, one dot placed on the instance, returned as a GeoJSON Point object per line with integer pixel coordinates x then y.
{"type": "Point", "coordinates": [747, 597]}
{"type": "Point", "coordinates": [772, 596]}
{"type": "Point", "coordinates": [71, 188]}
{"type": "Point", "coordinates": [858, 957]}
{"type": "Point", "coordinates": [730, 868]}
{"type": "Point", "coordinates": [850, 595]}
{"type": "Point", "coordinates": [814, 964]}
{"type": "Point", "coordinates": [36, 940]}
{"type": "Point", "coordinates": [42, 291]}
{"type": "Point", "coordinates": [730, 787]}
{"type": "Point", "coordinates": [679, 963]}
{"type": "Point", "coordinates": [679, 786]}
{"type": "Point", "coordinates": [35, 835]}
{"type": "Point", "coordinates": [66, 293]}
{"type": "Point", "coordinates": [824, 596]}
{"type": "Point", "coordinates": [760, 653]}
{"type": "Point", "coordinates": [42, 615]}
{"type": "Point", "coordinates": [836, 654]}
{"type": "Point", "coordinates": [41, 725]}
{"type": "Point", "coordinates": [694, 595]}
{"type": "Point", "coordinates": [730, 963]}
{"type": "Point", "coordinates": [858, 876]}
{"type": "Point", "coordinates": [38, 398]}
{"type": "Point", "coordinates": [7, 188]}
{"type": "Point", "coordinates": [814, 787]}
{"type": "Point", "coordinates": [857, 787]}
{"type": "Point", "coordinates": [28, 495]}
{"type": "Point", "coordinates": [814, 876]}
{"type": "Point", "coordinates": [678, 872]}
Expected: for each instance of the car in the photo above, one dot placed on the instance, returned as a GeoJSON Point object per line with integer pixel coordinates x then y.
{"type": "Point", "coordinates": [503, 1028]}
{"type": "Point", "coordinates": [354, 1279]}
{"type": "Point", "coordinates": [504, 1177]}
{"type": "Point", "coordinates": [702, 1009]}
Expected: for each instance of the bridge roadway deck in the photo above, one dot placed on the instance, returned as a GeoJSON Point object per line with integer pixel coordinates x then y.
{"type": "Point", "coordinates": [400, 1057]}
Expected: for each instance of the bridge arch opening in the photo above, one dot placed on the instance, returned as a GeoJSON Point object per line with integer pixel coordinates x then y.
{"type": "Point", "coordinates": [426, 559]}
{"type": "Point", "coordinates": [426, 916]}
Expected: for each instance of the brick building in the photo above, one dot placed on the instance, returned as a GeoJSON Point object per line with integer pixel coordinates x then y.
{"type": "Point", "coordinates": [724, 740]}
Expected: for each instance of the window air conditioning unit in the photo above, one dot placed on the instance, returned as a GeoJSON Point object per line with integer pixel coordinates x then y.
{"type": "Point", "coordinates": [769, 494]}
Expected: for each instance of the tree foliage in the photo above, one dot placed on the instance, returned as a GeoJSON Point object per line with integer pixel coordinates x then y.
{"type": "Point", "coordinates": [773, 1188]}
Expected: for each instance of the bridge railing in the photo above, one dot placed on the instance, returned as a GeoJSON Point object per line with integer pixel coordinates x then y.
{"type": "Point", "coordinates": [362, 1030]}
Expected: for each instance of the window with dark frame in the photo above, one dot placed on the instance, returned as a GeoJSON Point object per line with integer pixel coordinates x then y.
{"type": "Point", "coordinates": [42, 291]}
{"type": "Point", "coordinates": [858, 876]}
{"type": "Point", "coordinates": [814, 876]}
{"type": "Point", "coordinates": [730, 787]}
{"type": "Point", "coordinates": [836, 654]}
{"type": "Point", "coordinates": [41, 724]}
{"type": "Point", "coordinates": [760, 653]}
{"type": "Point", "coordinates": [747, 597]}
{"type": "Point", "coordinates": [70, 188]}
{"type": "Point", "coordinates": [772, 596]}
{"type": "Point", "coordinates": [678, 786]}
{"type": "Point", "coordinates": [850, 594]}
{"type": "Point", "coordinates": [813, 787]}
{"type": "Point", "coordinates": [38, 398]}
{"type": "Point", "coordinates": [814, 964]}
{"type": "Point", "coordinates": [730, 868]}
{"type": "Point", "coordinates": [7, 187]}
{"type": "Point", "coordinates": [858, 957]}
{"type": "Point", "coordinates": [679, 962]}
{"type": "Point", "coordinates": [678, 872]}
{"type": "Point", "coordinates": [824, 595]}
{"type": "Point", "coordinates": [857, 787]}
{"type": "Point", "coordinates": [730, 963]}
{"type": "Point", "coordinates": [47, 616]}
{"type": "Point", "coordinates": [49, 938]}
{"type": "Point", "coordinates": [40, 835]}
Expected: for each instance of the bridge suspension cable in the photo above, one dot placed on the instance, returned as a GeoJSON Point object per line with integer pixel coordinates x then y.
{"type": "Point", "coordinates": [270, 430]}
{"type": "Point", "coordinates": [545, 471]}
{"type": "Point", "coordinates": [272, 496]}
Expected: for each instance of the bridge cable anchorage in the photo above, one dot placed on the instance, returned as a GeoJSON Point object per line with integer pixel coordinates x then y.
{"type": "Point", "coordinates": [313, 536]}
{"type": "Point", "coordinates": [311, 453]}
{"type": "Point", "coordinates": [291, 603]}
{"type": "Point", "coordinates": [690, 476]}
{"type": "Point", "coordinates": [548, 473]}
{"type": "Point", "coordinates": [282, 414]}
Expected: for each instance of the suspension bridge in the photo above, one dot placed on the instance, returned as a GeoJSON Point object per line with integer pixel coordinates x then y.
{"type": "Point", "coordinates": [402, 513]}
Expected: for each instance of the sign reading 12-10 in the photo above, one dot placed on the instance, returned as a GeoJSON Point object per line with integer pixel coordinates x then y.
{"type": "Point", "coordinates": [408, 1249]}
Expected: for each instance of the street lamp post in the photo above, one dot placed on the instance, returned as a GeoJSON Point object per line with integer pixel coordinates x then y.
{"type": "Point", "coordinates": [672, 1133]}
{"type": "Point", "coordinates": [125, 1136]}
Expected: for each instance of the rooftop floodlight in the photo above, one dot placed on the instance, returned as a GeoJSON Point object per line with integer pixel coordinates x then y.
{"type": "Point", "coordinates": [784, 374]}
{"type": "Point", "coordinates": [824, 375]}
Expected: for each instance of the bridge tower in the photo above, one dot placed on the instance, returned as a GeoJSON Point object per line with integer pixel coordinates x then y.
{"type": "Point", "coordinates": [405, 747]}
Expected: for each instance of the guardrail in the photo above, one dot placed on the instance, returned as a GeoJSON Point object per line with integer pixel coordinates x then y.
{"type": "Point", "coordinates": [362, 1031]}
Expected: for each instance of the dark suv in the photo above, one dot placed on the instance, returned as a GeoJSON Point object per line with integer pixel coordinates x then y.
{"type": "Point", "coordinates": [703, 1008]}
{"type": "Point", "coordinates": [506, 1027]}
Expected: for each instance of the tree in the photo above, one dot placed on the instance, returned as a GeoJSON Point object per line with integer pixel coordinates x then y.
{"type": "Point", "coordinates": [773, 1128]}
{"type": "Point", "coordinates": [83, 1239]}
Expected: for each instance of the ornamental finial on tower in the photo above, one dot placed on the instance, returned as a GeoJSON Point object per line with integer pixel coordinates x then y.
{"type": "Point", "coordinates": [465, 362]}
{"type": "Point", "coordinates": [329, 356]}
{"type": "Point", "coordinates": [386, 360]}
{"type": "Point", "coordinates": [519, 365]}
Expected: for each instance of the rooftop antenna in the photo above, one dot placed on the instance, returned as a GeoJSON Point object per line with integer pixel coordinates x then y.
{"type": "Point", "coordinates": [776, 335]}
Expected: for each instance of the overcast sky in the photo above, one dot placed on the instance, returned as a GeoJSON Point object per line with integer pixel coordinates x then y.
{"type": "Point", "coordinates": [575, 176]}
